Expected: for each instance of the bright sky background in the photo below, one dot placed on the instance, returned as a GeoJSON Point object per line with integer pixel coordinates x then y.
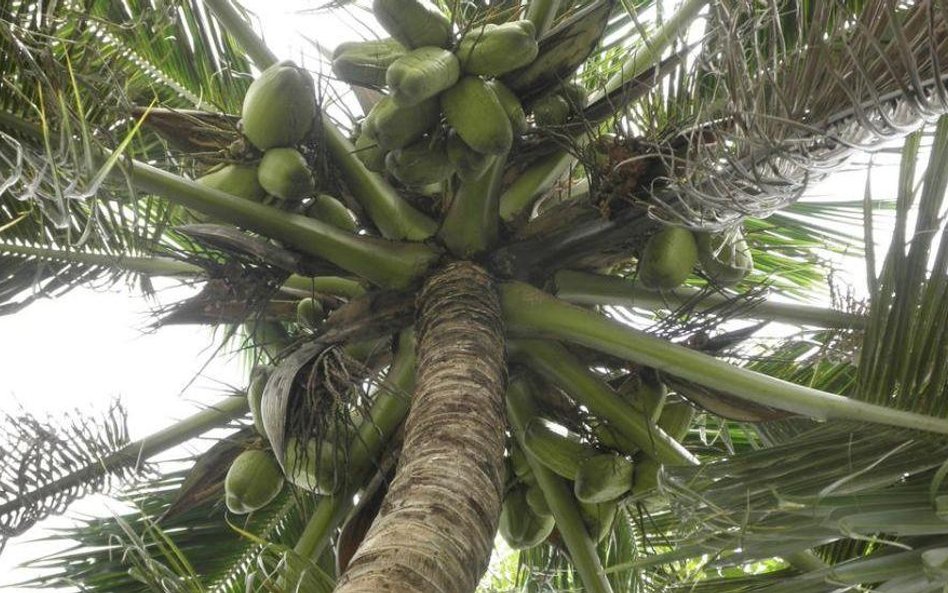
{"type": "Point", "coordinates": [90, 346]}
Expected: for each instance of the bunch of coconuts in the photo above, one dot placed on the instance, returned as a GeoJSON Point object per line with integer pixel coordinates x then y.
{"type": "Point", "coordinates": [278, 114]}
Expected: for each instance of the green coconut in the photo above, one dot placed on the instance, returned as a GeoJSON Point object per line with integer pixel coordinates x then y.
{"type": "Point", "coordinates": [253, 480]}
{"type": "Point", "coordinates": [668, 258]}
{"type": "Point", "coordinates": [519, 525]}
{"type": "Point", "coordinates": [603, 478]}
{"type": "Point", "coordinates": [279, 107]}
{"type": "Point", "coordinates": [309, 312]}
{"type": "Point", "coordinates": [331, 211]}
{"type": "Point", "coordinates": [724, 257]}
{"type": "Point", "coordinates": [283, 172]}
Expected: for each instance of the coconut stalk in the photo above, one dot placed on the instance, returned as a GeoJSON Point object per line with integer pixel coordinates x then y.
{"type": "Point", "coordinates": [394, 217]}
{"type": "Point", "coordinates": [554, 363]}
{"type": "Point", "coordinates": [471, 225]}
{"type": "Point", "coordinates": [530, 312]}
{"type": "Point", "coordinates": [331, 285]}
{"type": "Point", "coordinates": [521, 408]}
{"type": "Point", "coordinates": [583, 288]}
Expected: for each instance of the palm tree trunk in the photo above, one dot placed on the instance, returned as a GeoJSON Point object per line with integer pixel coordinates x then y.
{"type": "Point", "coordinates": [435, 531]}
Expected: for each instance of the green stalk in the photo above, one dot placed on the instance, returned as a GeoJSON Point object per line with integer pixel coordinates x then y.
{"type": "Point", "coordinates": [394, 217]}
{"type": "Point", "coordinates": [471, 224]}
{"type": "Point", "coordinates": [387, 412]}
{"type": "Point", "coordinates": [331, 285]}
{"type": "Point", "coordinates": [542, 13]}
{"type": "Point", "coordinates": [240, 29]}
{"type": "Point", "coordinates": [529, 185]}
{"type": "Point", "coordinates": [554, 363]}
{"type": "Point", "coordinates": [140, 450]}
{"type": "Point", "coordinates": [390, 264]}
{"type": "Point", "coordinates": [530, 312]}
{"type": "Point", "coordinates": [642, 60]}
{"type": "Point", "coordinates": [583, 288]}
{"type": "Point", "coordinates": [582, 549]}
{"type": "Point", "coordinates": [153, 266]}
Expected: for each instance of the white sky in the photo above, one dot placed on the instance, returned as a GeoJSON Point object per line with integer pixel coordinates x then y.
{"type": "Point", "coordinates": [88, 347]}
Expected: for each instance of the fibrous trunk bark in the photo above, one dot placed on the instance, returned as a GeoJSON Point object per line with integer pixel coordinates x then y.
{"type": "Point", "coordinates": [435, 530]}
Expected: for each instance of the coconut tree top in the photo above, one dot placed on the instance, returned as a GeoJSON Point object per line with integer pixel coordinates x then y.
{"type": "Point", "coordinates": [520, 292]}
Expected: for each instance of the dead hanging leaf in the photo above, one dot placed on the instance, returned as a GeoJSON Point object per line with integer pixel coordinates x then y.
{"type": "Point", "coordinates": [722, 404]}
{"type": "Point", "coordinates": [275, 402]}
{"type": "Point", "coordinates": [357, 525]}
{"type": "Point", "coordinates": [369, 317]}
{"type": "Point", "coordinates": [205, 481]}
{"type": "Point", "coordinates": [194, 132]}
{"type": "Point", "coordinates": [257, 250]}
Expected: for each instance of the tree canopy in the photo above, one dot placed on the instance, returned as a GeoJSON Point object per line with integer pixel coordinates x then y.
{"type": "Point", "coordinates": [517, 268]}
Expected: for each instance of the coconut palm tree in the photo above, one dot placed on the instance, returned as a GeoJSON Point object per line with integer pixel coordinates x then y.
{"type": "Point", "coordinates": [464, 318]}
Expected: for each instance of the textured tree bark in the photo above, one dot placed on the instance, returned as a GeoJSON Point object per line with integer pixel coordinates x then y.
{"type": "Point", "coordinates": [435, 531]}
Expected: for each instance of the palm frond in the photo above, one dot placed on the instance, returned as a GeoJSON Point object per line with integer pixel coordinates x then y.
{"type": "Point", "coordinates": [908, 329]}
{"type": "Point", "coordinates": [73, 77]}
{"type": "Point", "coordinates": [204, 539]}
{"type": "Point", "coordinates": [37, 453]}
{"type": "Point", "coordinates": [783, 93]}
{"type": "Point", "coordinates": [46, 467]}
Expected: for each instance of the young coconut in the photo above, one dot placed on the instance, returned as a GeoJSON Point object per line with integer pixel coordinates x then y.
{"type": "Point", "coordinates": [668, 258]}
{"type": "Point", "coordinates": [309, 312]}
{"type": "Point", "coordinates": [236, 180]}
{"type": "Point", "coordinates": [279, 107]}
{"type": "Point", "coordinates": [331, 211]}
{"type": "Point", "coordinates": [283, 172]}
{"type": "Point", "coordinates": [603, 478]}
{"type": "Point", "coordinates": [253, 480]}
{"type": "Point", "coordinates": [725, 257]}
{"type": "Point", "coordinates": [519, 525]}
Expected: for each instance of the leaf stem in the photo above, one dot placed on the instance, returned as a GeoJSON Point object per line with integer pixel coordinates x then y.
{"type": "Point", "coordinates": [237, 26]}
{"type": "Point", "coordinates": [542, 13]}
{"type": "Point", "coordinates": [655, 45]}
{"type": "Point", "coordinates": [471, 224]}
{"type": "Point", "coordinates": [583, 288]}
{"type": "Point", "coordinates": [154, 266]}
{"type": "Point", "coordinates": [555, 363]}
{"type": "Point", "coordinates": [390, 264]}
{"type": "Point", "coordinates": [531, 312]}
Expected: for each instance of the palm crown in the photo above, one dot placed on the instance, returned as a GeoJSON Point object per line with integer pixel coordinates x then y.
{"type": "Point", "coordinates": [506, 297]}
